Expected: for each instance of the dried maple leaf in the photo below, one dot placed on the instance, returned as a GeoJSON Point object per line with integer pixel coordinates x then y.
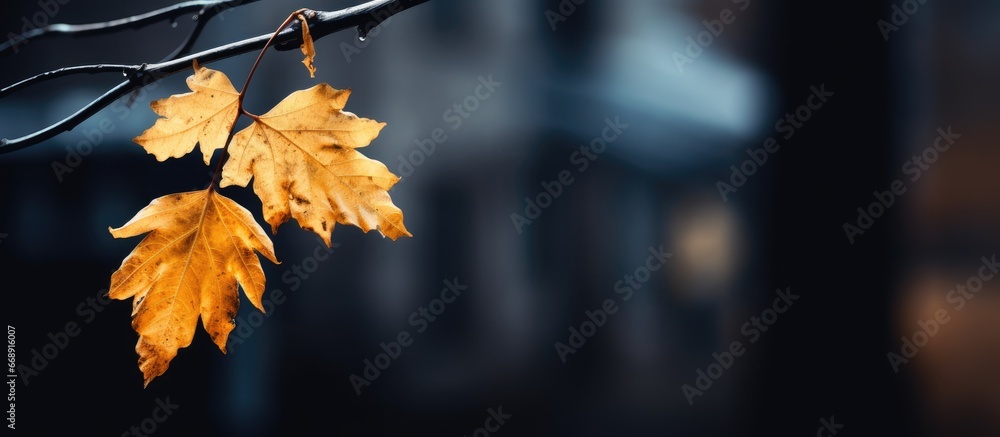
{"type": "Point", "coordinates": [205, 116]}
{"type": "Point", "coordinates": [200, 245]}
{"type": "Point", "coordinates": [302, 157]}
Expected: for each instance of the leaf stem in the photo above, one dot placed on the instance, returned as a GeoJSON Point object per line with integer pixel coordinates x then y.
{"type": "Point", "coordinates": [246, 85]}
{"type": "Point", "coordinates": [291, 18]}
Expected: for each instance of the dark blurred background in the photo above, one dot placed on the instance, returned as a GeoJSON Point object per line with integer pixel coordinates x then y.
{"type": "Point", "coordinates": [564, 69]}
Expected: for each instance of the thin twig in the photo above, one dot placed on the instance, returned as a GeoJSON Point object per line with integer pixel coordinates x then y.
{"type": "Point", "coordinates": [201, 19]}
{"type": "Point", "coordinates": [364, 17]}
{"type": "Point", "coordinates": [206, 10]}
{"type": "Point", "coordinates": [66, 71]}
{"type": "Point", "coordinates": [209, 8]}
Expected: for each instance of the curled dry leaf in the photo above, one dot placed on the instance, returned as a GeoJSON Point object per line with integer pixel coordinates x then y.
{"type": "Point", "coordinates": [307, 47]}
{"type": "Point", "coordinates": [200, 246]}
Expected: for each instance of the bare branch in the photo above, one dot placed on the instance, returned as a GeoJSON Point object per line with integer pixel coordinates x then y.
{"type": "Point", "coordinates": [87, 69]}
{"type": "Point", "coordinates": [206, 9]}
{"type": "Point", "coordinates": [364, 17]}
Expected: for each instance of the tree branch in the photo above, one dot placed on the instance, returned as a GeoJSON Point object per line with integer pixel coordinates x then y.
{"type": "Point", "coordinates": [206, 10]}
{"type": "Point", "coordinates": [66, 71]}
{"type": "Point", "coordinates": [364, 17]}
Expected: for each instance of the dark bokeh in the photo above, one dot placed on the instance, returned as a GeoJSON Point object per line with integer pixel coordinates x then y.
{"type": "Point", "coordinates": [566, 75]}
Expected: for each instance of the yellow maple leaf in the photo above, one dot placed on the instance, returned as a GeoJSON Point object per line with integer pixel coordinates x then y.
{"type": "Point", "coordinates": [302, 158]}
{"type": "Point", "coordinates": [200, 245]}
{"type": "Point", "coordinates": [205, 115]}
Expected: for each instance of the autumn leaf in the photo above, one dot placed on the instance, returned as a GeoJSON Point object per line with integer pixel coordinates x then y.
{"type": "Point", "coordinates": [205, 115]}
{"type": "Point", "coordinates": [302, 157]}
{"type": "Point", "coordinates": [200, 245]}
{"type": "Point", "coordinates": [307, 47]}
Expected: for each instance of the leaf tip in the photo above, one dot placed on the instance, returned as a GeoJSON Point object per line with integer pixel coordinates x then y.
{"type": "Point", "coordinates": [148, 375]}
{"type": "Point", "coordinates": [395, 232]}
{"type": "Point", "coordinates": [117, 232]}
